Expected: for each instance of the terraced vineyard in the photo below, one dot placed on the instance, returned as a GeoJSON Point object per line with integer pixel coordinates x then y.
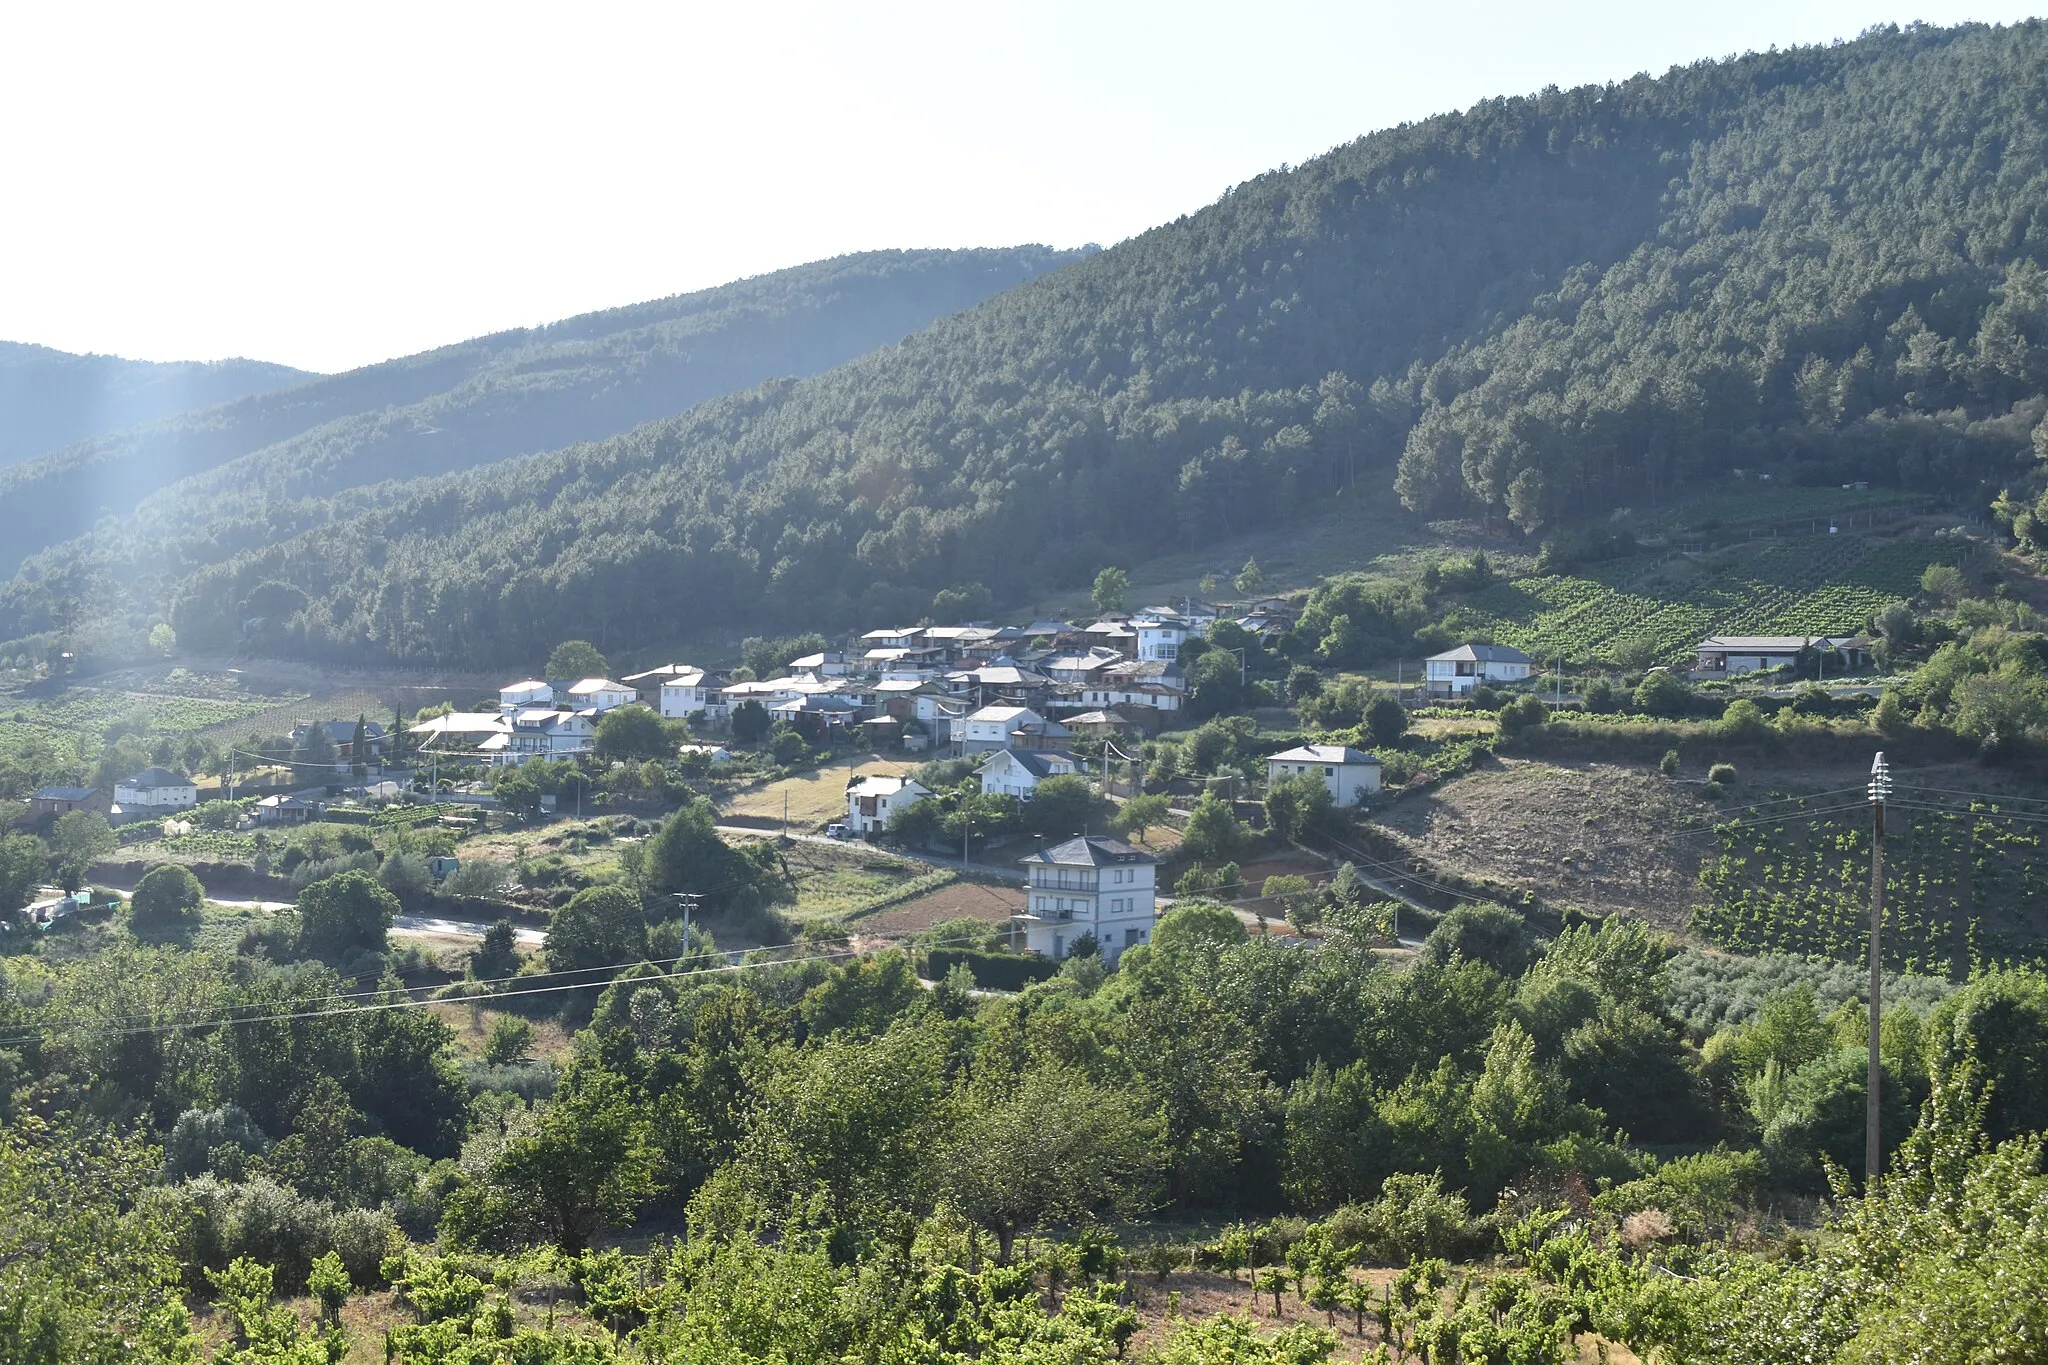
{"type": "Point", "coordinates": [1963, 889]}
{"type": "Point", "coordinates": [1669, 602]}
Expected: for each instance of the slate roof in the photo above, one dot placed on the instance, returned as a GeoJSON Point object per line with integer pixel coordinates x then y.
{"type": "Point", "coordinates": [1090, 851]}
{"type": "Point", "coordinates": [156, 777]}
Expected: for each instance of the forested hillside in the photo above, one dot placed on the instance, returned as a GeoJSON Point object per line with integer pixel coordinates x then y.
{"type": "Point", "coordinates": [52, 398]}
{"type": "Point", "coordinates": [253, 472]}
{"type": "Point", "coordinates": [1823, 263]}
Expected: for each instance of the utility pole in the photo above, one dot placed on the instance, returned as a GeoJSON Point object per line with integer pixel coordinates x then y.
{"type": "Point", "coordinates": [1880, 792]}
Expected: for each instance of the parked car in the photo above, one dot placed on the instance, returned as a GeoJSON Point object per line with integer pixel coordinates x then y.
{"type": "Point", "coordinates": [838, 830]}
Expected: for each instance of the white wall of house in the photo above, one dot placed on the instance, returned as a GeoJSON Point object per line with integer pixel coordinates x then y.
{"type": "Point", "coordinates": [871, 804]}
{"type": "Point", "coordinates": [1444, 677]}
{"type": "Point", "coordinates": [1347, 783]}
{"type": "Point", "coordinates": [1159, 698]}
{"type": "Point", "coordinates": [680, 701]}
{"type": "Point", "coordinates": [1117, 904]}
{"type": "Point", "coordinates": [1005, 775]}
{"type": "Point", "coordinates": [989, 729]}
{"type": "Point", "coordinates": [162, 798]}
{"type": "Point", "coordinates": [608, 696]}
{"type": "Point", "coordinates": [1159, 640]}
{"type": "Point", "coordinates": [522, 695]}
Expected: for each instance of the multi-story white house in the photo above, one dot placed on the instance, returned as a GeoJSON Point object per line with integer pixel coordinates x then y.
{"type": "Point", "coordinates": [1017, 772]}
{"type": "Point", "coordinates": [1350, 774]}
{"type": "Point", "coordinates": [524, 696]}
{"type": "Point", "coordinates": [1455, 672]}
{"type": "Point", "coordinates": [155, 789]}
{"type": "Point", "coordinates": [600, 695]}
{"type": "Point", "coordinates": [1160, 637]}
{"type": "Point", "coordinates": [873, 801]}
{"type": "Point", "coordinates": [1089, 885]}
{"type": "Point", "coordinates": [541, 733]}
{"type": "Point", "coordinates": [692, 690]}
{"type": "Point", "coordinates": [1004, 727]}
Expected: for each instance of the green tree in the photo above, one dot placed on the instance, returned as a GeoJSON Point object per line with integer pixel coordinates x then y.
{"type": "Point", "coordinates": [2000, 1019]}
{"type": "Point", "coordinates": [967, 602]}
{"type": "Point", "coordinates": [1299, 806]}
{"type": "Point", "coordinates": [314, 757]}
{"type": "Point", "coordinates": [348, 912]}
{"type": "Point", "coordinates": [635, 732]}
{"type": "Point", "coordinates": [601, 926]}
{"type": "Point", "coordinates": [1386, 720]}
{"type": "Point", "coordinates": [1111, 587]}
{"type": "Point", "coordinates": [1492, 934]}
{"type": "Point", "coordinates": [589, 1165]}
{"type": "Point", "coordinates": [167, 894]}
{"type": "Point", "coordinates": [1250, 578]}
{"type": "Point", "coordinates": [22, 865]}
{"type": "Point", "coordinates": [1140, 814]}
{"type": "Point", "coordinates": [1061, 806]}
{"type": "Point", "coordinates": [80, 837]}
{"type": "Point", "coordinates": [1050, 1147]}
{"type": "Point", "coordinates": [750, 721]}
{"type": "Point", "coordinates": [1661, 694]}
{"type": "Point", "coordinates": [574, 660]}
{"type": "Point", "coordinates": [163, 640]}
{"type": "Point", "coordinates": [1213, 833]}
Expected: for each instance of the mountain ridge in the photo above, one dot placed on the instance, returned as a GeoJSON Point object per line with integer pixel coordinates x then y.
{"type": "Point", "coordinates": [1825, 263]}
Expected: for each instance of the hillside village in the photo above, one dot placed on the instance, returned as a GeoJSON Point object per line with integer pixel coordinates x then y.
{"type": "Point", "coordinates": [661, 838]}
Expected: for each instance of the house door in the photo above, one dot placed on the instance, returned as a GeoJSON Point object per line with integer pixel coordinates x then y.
{"type": "Point", "coordinates": [1059, 946]}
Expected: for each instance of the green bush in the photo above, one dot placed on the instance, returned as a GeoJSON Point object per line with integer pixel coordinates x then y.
{"type": "Point", "coordinates": [168, 894]}
{"type": "Point", "coordinates": [992, 971]}
{"type": "Point", "coordinates": [1722, 773]}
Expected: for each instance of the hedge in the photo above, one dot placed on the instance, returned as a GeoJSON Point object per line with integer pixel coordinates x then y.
{"type": "Point", "coordinates": [992, 971]}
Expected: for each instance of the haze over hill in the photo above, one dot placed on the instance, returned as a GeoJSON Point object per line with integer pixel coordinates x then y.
{"type": "Point", "coordinates": [1822, 263]}
{"type": "Point", "coordinates": [484, 400]}
{"type": "Point", "coordinates": [53, 398]}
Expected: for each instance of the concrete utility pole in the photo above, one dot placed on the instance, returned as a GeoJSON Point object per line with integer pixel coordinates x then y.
{"type": "Point", "coordinates": [1880, 792]}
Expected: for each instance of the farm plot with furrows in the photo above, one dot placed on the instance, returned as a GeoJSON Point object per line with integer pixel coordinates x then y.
{"type": "Point", "coordinates": [1963, 889]}
{"type": "Point", "coordinates": [1806, 585]}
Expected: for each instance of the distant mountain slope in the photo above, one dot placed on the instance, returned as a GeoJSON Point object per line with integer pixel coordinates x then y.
{"type": "Point", "coordinates": [484, 400]}
{"type": "Point", "coordinates": [52, 398]}
{"type": "Point", "coordinates": [1823, 263]}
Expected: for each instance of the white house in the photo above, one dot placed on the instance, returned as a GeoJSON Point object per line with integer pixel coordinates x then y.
{"type": "Point", "coordinates": [828, 664]}
{"type": "Point", "coordinates": [467, 732]}
{"type": "Point", "coordinates": [689, 691]}
{"type": "Point", "coordinates": [601, 695]}
{"type": "Point", "coordinates": [1721, 655]}
{"type": "Point", "coordinates": [873, 801]}
{"type": "Point", "coordinates": [524, 696]}
{"type": "Point", "coordinates": [1457, 671]}
{"type": "Point", "coordinates": [540, 733]}
{"type": "Point", "coordinates": [1088, 885]}
{"type": "Point", "coordinates": [892, 637]}
{"type": "Point", "coordinates": [1004, 727]}
{"type": "Point", "coordinates": [155, 789]}
{"type": "Point", "coordinates": [1160, 637]}
{"type": "Point", "coordinates": [1017, 772]}
{"type": "Point", "coordinates": [1350, 774]}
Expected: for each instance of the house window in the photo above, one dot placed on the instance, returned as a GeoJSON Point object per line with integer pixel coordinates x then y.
{"type": "Point", "coordinates": [1329, 772]}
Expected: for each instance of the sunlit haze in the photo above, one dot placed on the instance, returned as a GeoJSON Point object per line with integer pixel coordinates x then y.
{"type": "Point", "coordinates": [327, 186]}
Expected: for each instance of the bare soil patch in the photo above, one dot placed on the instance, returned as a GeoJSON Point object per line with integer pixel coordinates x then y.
{"type": "Point", "coordinates": [961, 900]}
{"type": "Point", "coordinates": [1599, 836]}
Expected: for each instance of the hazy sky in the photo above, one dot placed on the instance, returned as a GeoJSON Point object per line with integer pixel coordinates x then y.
{"type": "Point", "coordinates": [329, 185]}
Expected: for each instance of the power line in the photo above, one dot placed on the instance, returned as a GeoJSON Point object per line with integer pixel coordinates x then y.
{"type": "Point", "coordinates": [421, 1002]}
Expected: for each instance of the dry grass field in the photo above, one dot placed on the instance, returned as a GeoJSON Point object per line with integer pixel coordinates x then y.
{"type": "Point", "coordinates": [815, 798]}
